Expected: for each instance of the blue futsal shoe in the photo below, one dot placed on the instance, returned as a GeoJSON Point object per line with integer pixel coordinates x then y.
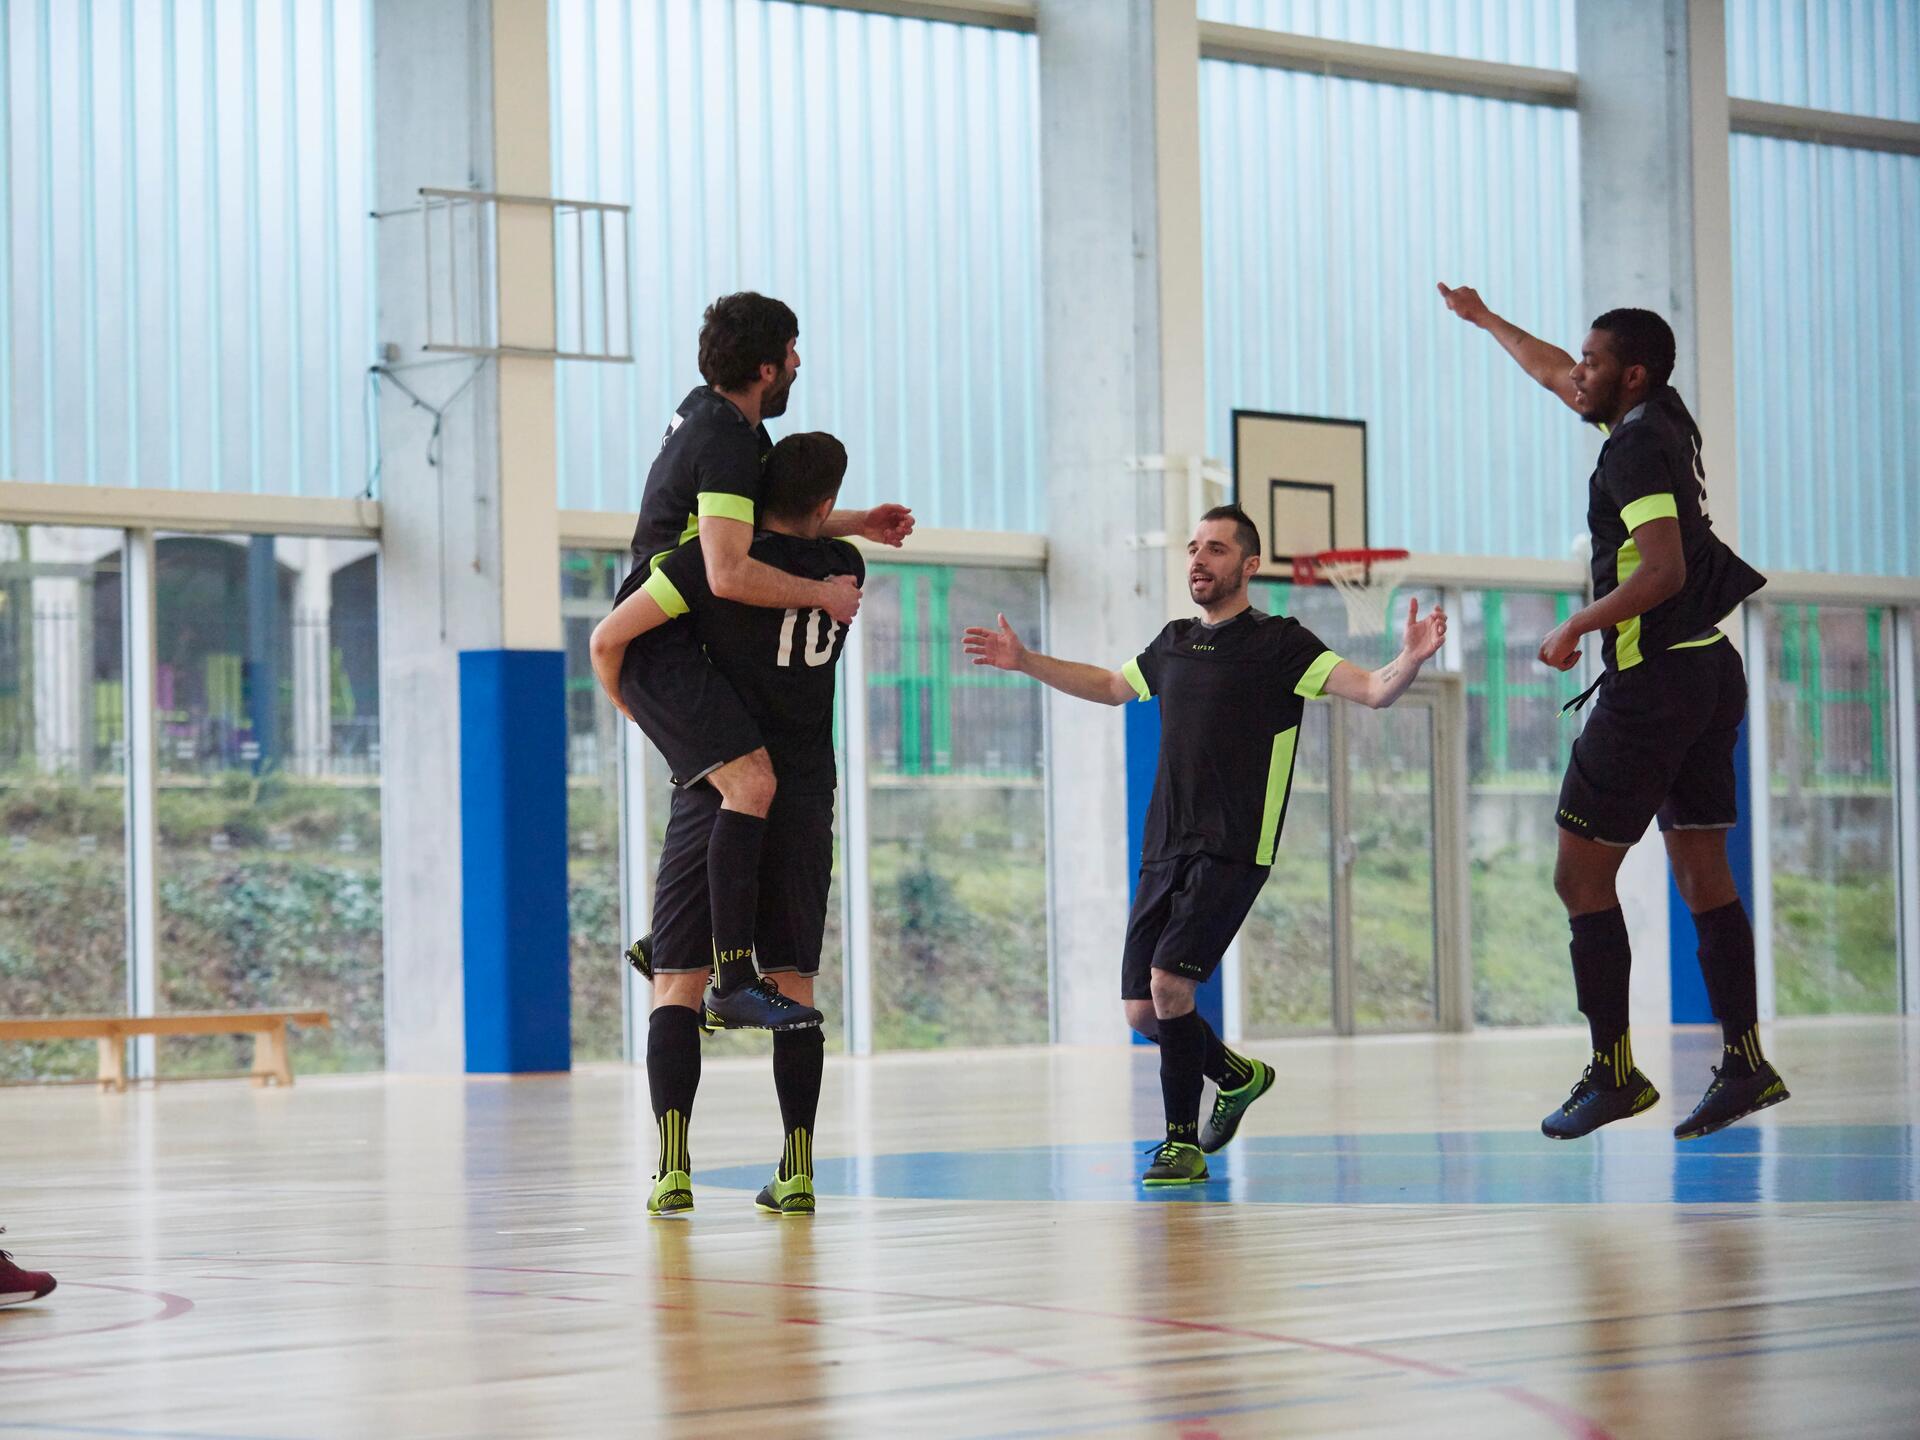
{"type": "Point", "coordinates": [757, 1006]}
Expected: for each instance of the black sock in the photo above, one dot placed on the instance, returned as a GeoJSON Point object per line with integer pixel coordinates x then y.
{"type": "Point", "coordinates": [1183, 1053]}
{"type": "Point", "coordinates": [1226, 1068]}
{"type": "Point", "coordinates": [1602, 967]}
{"type": "Point", "coordinates": [673, 1074]}
{"type": "Point", "coordinates": [733, 889]}
{"type": "Point", "coordinates": [798, 1058]}
{"type": "Point", "coordinates": [1726, 963]}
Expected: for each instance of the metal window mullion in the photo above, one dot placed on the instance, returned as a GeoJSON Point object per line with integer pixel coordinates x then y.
{"type": "Point", "coordinates": [1760, 803]}
{"type": "Point", "coordinates": [139, 691]}
{"type": "Point", "coordinates": [636, 890]}
{"type": "Point", "coordinates": [856, 841]}
{"type": "Point", "coordinates": [1339, 829]}
{"type": "Point", "coordinates": [1906, 797]}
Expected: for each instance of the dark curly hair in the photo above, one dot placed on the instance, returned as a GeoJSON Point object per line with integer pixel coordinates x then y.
{"type": "Point", "coordinates": [739, 334]}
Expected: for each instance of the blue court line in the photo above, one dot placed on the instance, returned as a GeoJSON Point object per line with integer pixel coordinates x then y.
{"type": "Point", "coordinates": [1741, 1166]}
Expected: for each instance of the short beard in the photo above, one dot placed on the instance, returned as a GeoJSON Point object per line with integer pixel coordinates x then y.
{"type": "Point", "coordinates": [774, 402]}
{"type": "Point", "coordinates": [1224, 590]}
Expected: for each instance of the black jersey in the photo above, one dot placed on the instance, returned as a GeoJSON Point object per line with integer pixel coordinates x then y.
{"type": "Point", "coordinates": [1650, 467]}
{"type": "Point", "coordinates": [709, 464]}
{"type": "Point", "coordinates": [780, 662]}
{"type": "Point", "coordinates": [1231, 698]}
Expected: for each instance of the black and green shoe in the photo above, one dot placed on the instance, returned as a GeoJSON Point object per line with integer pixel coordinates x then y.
{"type": "Point", "coordinates": [1176, 1162]}
{"type": "Point", "coordinates": [1733, 1097]}
{"type": "Point", "coordinates": [640, 956]}
{"type": "Point", "coordinates": [1593, 1103]}
{"type": "Point", "coordinates": [1230, 1105]}
{"type": "Point", "coordinates": [787, 1197]}
{"type": "Point", "coordinates": [672, 1194]}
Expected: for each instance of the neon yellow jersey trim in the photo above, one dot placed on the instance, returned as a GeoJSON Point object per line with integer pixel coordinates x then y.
{"type": "Point", "coordinates": [1279, 777]}
{"type": "Point", "coordinates": [727, 507]}
{"type": "Point", "coordinates": [1649, 507]}
{"type": "Point", "coordinates": [1714, 639]}
{"type": "Point", "coordinates": [1314, 683]}
{"type": "Point", "coordinates": [1626, 642]}
{"type": "Point", "coordinates": [1134, 678]}
{"type": "Point", "coordinates": [665, 595]}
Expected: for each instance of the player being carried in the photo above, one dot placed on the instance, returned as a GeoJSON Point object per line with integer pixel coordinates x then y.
{"type": "Point", "coordinates": [1661, 737]}
{"type": "Point", "coordinates": [780, 664]}
{"type": "Point", "coordinates": [1232, 687]}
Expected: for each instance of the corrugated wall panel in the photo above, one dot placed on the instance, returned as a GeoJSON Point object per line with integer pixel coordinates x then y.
{"type": "Point", "coordinates": [184, 248]}
{"type": "Point", "coordinates": [880, 175]}
{"type": "Point", "coordinates": [1514, 32]}
{"type": "Point", "coordinates": [1332, 208]}
{"type": "Point", "coordinates": [1860, 57]}
{"type": "Point", "coordinates": [1827, 334]}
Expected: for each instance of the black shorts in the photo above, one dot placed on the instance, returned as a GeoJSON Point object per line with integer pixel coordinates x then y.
{"type": "Point", "coordinates": [1659, 743]}
{"type": "Point", "coordinates": [796, 869]}
{"type": "Point", "coordinates": [683, 705]}
{"type": "Point", "coordinates": [1185, 914]}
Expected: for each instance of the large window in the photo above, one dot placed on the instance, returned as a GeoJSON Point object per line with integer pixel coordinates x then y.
{"type": "Point", "coordinates": [1831, 805]}
{"type": "Point", "coordinates": [957, 810]}
{"type": "Point", "coordinates": [1517, 744]}
{"type": "Point", "coordinates": [1515, 32]}
{"type": "Point", "coordinates": [1861, 57]}
{"type": "Point", "coordinates": [185, 262]}
{"type": "Point", "coordinates": [62, 789]}
{"type": "Point", "coordinates": [267, 727]}
{"type": "Point", "coordinates": [881, 175]}
{"type": "Point", "coordinates": [588, 580]}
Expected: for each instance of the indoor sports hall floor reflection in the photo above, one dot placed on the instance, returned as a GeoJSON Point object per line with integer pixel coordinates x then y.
{"type": "Point", "coordinates": [1389, 1248]}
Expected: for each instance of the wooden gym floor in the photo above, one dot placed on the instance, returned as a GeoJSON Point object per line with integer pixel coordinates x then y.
{"type": "Point", "coordinates": [1390, 1248]}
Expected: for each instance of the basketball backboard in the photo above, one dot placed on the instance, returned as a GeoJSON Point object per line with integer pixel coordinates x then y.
{"type": "Point", "coordinates": [1303, 480]}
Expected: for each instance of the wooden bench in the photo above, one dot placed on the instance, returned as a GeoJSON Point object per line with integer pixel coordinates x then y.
{"type": "Point", "coordinates": [268, 1028]}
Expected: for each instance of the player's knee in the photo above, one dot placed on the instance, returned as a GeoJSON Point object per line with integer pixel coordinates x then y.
{"type": "Point", "coordinates": [1141, 1019]}
{"type": "Point", "coordinates": [747, 784]}
{"type": "Point", "coordinates": [683, 989]}
{"type": "Point", "coordinates": [1172, 995]}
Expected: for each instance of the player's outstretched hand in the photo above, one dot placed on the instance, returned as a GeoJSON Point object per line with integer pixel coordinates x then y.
{"type": "Point", "coordinates": [842, 601]}
{"type": "Point", "coordinates": [887, 524]}
{"type": "Point", "coordinates": [1422, 639]}
{"type": "Point", "coordinates": [1466, 303]}
{"type": "Point", "coordinates": [1561, 648]}
{"type": "Point", "coordinates": [999, 648]}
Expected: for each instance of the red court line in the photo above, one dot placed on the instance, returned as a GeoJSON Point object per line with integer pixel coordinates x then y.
{"type": "Point", "coordinates": [171, 1306]}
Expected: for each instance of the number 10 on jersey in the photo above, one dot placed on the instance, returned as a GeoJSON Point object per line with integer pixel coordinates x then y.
{"type": "Point", "coordinates": [827, 629]}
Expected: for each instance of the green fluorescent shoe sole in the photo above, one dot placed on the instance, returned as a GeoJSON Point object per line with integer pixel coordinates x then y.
{"type": "Point", "coordinates": [1200, 1179]}
{"type": "Point", "coordinates": [1769, 1098]}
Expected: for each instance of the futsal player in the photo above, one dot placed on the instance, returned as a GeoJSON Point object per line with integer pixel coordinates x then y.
{"type": "Point", "coordinates": [1661, 737]}
{"type": "Point", "coordinates": [1232, 687]}
{"type": "Point", "coordinates": [780, 664]}
{"type": "Point", "coordinates": [704, 485]}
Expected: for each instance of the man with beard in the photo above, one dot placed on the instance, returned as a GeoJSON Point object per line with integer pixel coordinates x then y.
{"type": "Point", "coordinates": [1661, 738]}
{"type": "Point", "coordinates": [1232, 686]}
{"type": "Point", "coordinates": [705, 485]}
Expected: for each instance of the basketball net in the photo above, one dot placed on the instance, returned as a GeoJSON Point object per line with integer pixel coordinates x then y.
{"type": "Point", "coordinates": [1366, 580]}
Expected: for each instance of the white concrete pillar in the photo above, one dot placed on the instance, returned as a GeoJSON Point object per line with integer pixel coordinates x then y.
{"type": "Point", "coordinates": [60, 675]}
{"type": "Point", "coordinates": [1125, 386]}
{"type": "Point", "coordinates": [312, 559]}
{"type": "Point", "coordinates": [470, 558]}
{"type": "Point", "coordinates": [1656, 231]}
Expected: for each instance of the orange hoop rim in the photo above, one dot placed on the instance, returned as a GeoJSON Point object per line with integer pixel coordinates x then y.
{"type": "Point", "coordinates": [1310, 569]}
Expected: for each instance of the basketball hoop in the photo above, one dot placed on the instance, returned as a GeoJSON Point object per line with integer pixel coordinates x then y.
{"type": "Point", "coordinates": [1366, 580]}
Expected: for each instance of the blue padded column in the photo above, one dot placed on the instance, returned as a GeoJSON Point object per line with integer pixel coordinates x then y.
{"type": "Point", "coordinates": [513, 843]}
{"type": "Point", "coordinates": [1143, 759]}
{"type": "Point", "coordinates": [1689, 1004]}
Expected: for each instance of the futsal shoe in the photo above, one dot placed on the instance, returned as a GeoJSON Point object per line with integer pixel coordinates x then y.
{"type": "Point", "coordinates": [640, 956]}
{"type": "Point", "coordinates": [672, 1194]}
{"type": "Point", "coordinates": [757, 1006]}
{"type": "Point", "coordinates": [787, 1197]}
{"type": "Point", "coordinates": [1592, 1104]}
{"type": "Point", "coordinates": [1732, 1097]}
{"type": "Point", "coordinates": [1230, 1105]}
{"type": "Point", "coordinates": [1176, 1163]}
{"type": "Point", "coordinates": [18, 1286]}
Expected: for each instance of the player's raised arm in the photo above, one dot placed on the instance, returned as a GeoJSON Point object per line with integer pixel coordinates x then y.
{"type": "Point", "coordinates": [887, 524]}
{"type": "Point", "coordinates": [1003, 649]}
{"type": "Point", "coordinates": [733, 574]}
{"type": "Point", "coordinates": [1547, 363]}
{"type": "Point", "coordinates": [1420, 641]}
